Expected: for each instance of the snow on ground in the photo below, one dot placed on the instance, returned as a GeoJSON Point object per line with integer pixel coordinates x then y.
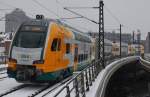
{"type": "Point", "coordinates": [10, 83]}
{"type": "Point", "coordinates": [25, 92]}
{"type": "Point", "coordinates": [95, 84]}
{"type": "Point", "coordinates": [7, 84]}
{"type": "Point", "coordinates": [51, 94]}
{"type": "Point", "coordinates": [90, 93]}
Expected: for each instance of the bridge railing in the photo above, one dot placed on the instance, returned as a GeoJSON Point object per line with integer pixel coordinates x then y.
{"type": "Point", "coordinates": [110, 71]}
{"type": "Point", "coordinates": [81, 82]}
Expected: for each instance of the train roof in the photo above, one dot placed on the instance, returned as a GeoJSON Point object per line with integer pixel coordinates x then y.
{"type": "Point", "coordinates": [78, 35]}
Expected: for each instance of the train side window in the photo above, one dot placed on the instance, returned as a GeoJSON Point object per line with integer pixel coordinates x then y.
{"type": "Point", "coordinates": [67, 48]}
{"type": "Point", "coordinates": [56, 44]}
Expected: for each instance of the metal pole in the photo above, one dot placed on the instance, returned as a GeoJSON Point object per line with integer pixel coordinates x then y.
{"type": "Point", "coordinates": [120, 40]}
{"type": "Point", "coordinates": [139, 39]}
{"type": "Point", "coordinates": [101, 55]}
{"type": "Point", "coordinates": [133, 37]}
{"type": "Point", "coordinates": [99, 35]}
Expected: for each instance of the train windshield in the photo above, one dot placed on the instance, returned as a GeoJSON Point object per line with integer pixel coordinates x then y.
{"type": "Point", "coordinates": [30, 38]}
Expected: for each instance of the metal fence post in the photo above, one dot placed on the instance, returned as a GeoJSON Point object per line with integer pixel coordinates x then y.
{"type": "Point", "coordinates": [90, 82]}
{"type": "Point", "coordinates": [68, 92]}
{"type": "Point", "coordinates": [95, 69]}
{"type": "Point", "coordinates": [76, 87]}
{"type": "Point", "coordinates": [98, 67]}
{"type": "Point", "coordinates": [87, 82]}
{"type": "Point", "coordinates": [82, 83]}
{"type": "Point", "coordinates": [93, 78]}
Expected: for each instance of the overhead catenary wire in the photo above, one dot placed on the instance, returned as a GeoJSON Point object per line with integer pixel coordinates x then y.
{"type": "Point", "coordinates": [81, 16]}
{"type": "Point", "coordinates": [39, 5]}
{"type": "Point", "coordinates": [107, 9]}
{"type": "Point", "coordinates": [78, 17]}
{"type": "Point", "coordinates": [82, 7]}
{"type": "Point", "coordinates": [114, 16]}
{"type": "Point", "coordinates": [66, 18]}
{"type": "Point", "coordinates": [50, 11]}
{"type": "Point", "coordinates": [70, 18]}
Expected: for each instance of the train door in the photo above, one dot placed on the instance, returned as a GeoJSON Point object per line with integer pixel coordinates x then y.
{"type": "Point", "coordinates": [75, 57]}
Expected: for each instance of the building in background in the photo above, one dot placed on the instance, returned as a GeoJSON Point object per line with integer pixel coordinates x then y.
{"type": "Point", "coordinates": [14, 19]}
{"type": "Point", "coordinates": [115, 37]}
{"type": "Point", "coordinates": [147, 43]}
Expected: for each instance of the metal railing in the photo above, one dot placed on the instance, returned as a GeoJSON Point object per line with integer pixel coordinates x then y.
{"type": "Point", "coordinates": [110, 71]}
{"type": "Point", "coordinates": [81, 82]}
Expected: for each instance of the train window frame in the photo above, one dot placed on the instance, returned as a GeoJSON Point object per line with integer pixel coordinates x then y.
{"type": "Point", "coordinates": [68, 48]}
{"type": "Point", "coordinates": [56, 44]}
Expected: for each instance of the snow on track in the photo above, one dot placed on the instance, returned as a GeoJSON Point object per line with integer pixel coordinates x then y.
{"type": "Point", "coordinates": [7, 84]}
{"type": "Point", "coordinates": [53, 90]}
{"type": "Point", "coordinates": [25, 92]}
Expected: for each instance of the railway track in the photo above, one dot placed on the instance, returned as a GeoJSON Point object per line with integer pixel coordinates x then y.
{"type": "Point", "coordinates": [47, 89]}
{"type": "Point", "coordinates": [13, 90]}
{"type": "Point", "coordinates": [3, 75]}
{"type": "Point", "coordinates": [50, 87]}
{"type": "Point", "coordinates": [55, 87]}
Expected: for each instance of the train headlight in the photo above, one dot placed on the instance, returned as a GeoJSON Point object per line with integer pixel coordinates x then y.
{"type": "Point", "coordinates": [12, 60]}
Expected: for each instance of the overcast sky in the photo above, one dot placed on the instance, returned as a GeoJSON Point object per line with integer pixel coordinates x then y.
{"type": "Point", "coordinates": [133, 14]}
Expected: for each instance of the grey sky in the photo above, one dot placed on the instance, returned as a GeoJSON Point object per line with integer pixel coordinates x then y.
{"type": "Point", "coordinates": [133, 14]}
